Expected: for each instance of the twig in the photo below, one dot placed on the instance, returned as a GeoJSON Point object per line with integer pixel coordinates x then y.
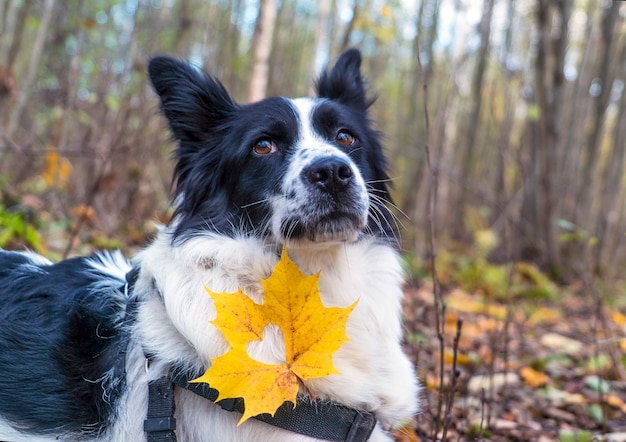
{"type": "Point", "coordinates": [93, 190]}
{"type": "Point", "coordinates": [91, 195]}
{"type": "Point", "coordinates": [483, 400]}
{"type": "Point", "coordinates": [598, 323]}
{"type": "Point", "coordinates": [440, 314]}
{"type": "Point", "coordinates": [453, 380]}
{"type": "Point", "coordinates": [503, 338]}
{"type": "Point", "coordinates": [618, 367]}
{"type": "Point", "coordinates": [595, 325]}
{"type": "Point", "coordinates": [439, 304]}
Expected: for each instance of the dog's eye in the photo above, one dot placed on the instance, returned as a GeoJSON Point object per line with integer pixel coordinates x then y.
{"type": "Point", "coordinates": [344, 138]}
{"type": "Point", "coordinates": [264, 147]}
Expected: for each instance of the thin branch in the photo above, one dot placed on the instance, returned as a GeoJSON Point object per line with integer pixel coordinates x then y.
{"type": "Point", "coordinates": [95, 186]}
{"type": "Point", "coordinates": [483, 400]}
{"type": "Point", "coordinates": [453, 380]}
{"type": "Point", "coordinates": [439, 304]}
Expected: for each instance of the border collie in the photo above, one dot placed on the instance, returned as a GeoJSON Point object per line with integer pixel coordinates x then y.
{"type": "Point", "coordinates": [81, 342]}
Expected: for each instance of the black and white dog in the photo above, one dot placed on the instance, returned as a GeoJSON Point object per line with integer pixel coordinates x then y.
{"type": "Point", "coordinates": [84, 343]}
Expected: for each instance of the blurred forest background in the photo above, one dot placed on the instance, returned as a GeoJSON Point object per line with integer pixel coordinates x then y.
{"type": "Point", "coordinates": [525, 99]}
{"type": "Point", "coordinates": [521, 104]}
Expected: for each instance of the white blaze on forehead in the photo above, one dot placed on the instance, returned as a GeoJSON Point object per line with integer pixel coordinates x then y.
{"type": "Point", "coordinates": [309, 138]}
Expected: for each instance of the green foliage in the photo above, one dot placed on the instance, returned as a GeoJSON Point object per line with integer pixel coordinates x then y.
{"type": "Point", "coordinates": [597, 384]}
{"type": "Point", "coordinates": [415, 338]}
{"type": "Point", "coordinates": [555, 363]}
{"type": "Point", "coordinates": [16, 229]}
{"type": "Point", "coordinates": [532, 283]}
{"type": "Point", "coordinates": [475, 430]}
{"type": "Point", "coordinates": [106, 243]}
{"type": "Point", "coordinates": [471, 269]}
{"type": "Point", "coordinates": [597, 413]}
{"type": "Point", "coordinates": [575, 436]}
{"type": "Point", "coordinates": [476, 274]}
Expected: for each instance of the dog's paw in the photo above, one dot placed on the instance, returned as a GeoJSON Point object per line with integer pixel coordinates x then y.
{"type": "Point", "coordinates": [401, 403]}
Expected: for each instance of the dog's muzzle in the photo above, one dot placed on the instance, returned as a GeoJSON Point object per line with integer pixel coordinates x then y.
{"type": "Point", "coordinates": [329, 203]}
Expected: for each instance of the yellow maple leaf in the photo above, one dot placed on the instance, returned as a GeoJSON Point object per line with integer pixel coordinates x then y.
{"type": "Point", "coordinates": [312, 334]}
{"type": "Point", "coordinates": [238, 317]}
{"type": "Point", "coordinates": [264, 387]}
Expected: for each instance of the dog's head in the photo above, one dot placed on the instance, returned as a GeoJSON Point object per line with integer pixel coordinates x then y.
{"type": "Point", "coordinates": [309, 169]}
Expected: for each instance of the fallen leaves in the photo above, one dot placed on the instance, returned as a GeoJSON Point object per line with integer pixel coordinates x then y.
{"type": "Point", "coordinates": [57, 169]}
{"type": "Point", "coordinates": [562, 344]}
{"type": "Point", "coordinates": [405, 435]}
{"type": "Point", "coordinates": [495, 381]}
{"type": "Point", "coordinates": [312, 334]}
{"type": "Point", "coordinates": [533, 370]}
{"type": "Point", "coordinates": [533, 378]}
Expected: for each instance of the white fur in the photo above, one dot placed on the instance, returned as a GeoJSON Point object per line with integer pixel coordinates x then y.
{"type": "Point", "coordinates": [174, 326]}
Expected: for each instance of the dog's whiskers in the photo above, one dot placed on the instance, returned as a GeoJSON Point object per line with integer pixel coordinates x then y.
{"type": "Point", "coordinates": [383, 217]}
{"type": "Point", "coordinates": [381, 221]}
{"type": "Point", "coordinates": [385, 181]}
{"type": "Point", "coordinates": [371, 192]}
{"type": "Point", "coordinates": [245, 206]}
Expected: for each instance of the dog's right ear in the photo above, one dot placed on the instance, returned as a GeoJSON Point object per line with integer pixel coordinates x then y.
{"type": "Point", "coordinates": [194, 103]}
{"type": "Point", "coordinates": [344, 81]}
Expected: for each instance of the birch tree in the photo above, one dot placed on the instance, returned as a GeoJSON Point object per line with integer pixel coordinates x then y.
{"type": "Point", "coordinates": [262, 49]}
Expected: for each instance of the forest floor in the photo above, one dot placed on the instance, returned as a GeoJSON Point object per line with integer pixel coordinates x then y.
{"type": "Point", "coordinates": [536, 371]}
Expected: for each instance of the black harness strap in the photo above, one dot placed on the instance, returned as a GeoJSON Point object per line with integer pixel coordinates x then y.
{"type": "Point", "coordinates": [160, 424]}
{"type": "Point", "coordinates": [326, 420]}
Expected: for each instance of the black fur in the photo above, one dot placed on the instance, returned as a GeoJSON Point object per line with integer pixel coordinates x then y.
{"type": "Point", "coordinates": [61, 322]}
{"type": "Point", "coordinates": [344, 83]}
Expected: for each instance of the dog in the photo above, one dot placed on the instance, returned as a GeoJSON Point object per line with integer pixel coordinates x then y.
{"type": "Point", "coordinates": [85, 342]}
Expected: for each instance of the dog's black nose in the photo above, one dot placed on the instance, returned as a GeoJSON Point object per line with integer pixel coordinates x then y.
{"type": "Point", "coordinates": [330, 175]}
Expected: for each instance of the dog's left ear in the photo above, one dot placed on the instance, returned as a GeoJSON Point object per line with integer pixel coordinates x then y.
{"type": "Point", "coordinates": [344, 82]}
{"type": "Point", "coordinates": [195, 104]}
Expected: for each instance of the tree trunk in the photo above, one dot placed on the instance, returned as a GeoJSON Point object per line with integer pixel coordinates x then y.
{"type": "Point", "coordinates": [468, 143]}
{"type": "Point", "coordinates": [8, 28]}
{"type": "Point", "coordinates": [432, 36]}
{"type": "Point", "coordinates": [18, 36]}
{"type": "Point", "coordinates": [604, 79]}
{"type": "Point", "coordinates": [262, 46]}
{"type": "Point", "coordinates": [572, 144]}
{"type": "Point", "coordinates": [229, 36]}
{"type": "Point", "coordinates": [506, 126]}
{"type": "Point", "coordinates": [33, 65]}
{"type": "Point", "coordinates": [185, 22]}
{"type": "Point", "coordinates": [3, 5]}
{"type": "Point", "coordinates": [612, 181]}
{"type": "Point", "coordinates": [345, 40]}
{"type": "Point", "coordinates": [539, 207]}
{"type": "Point", "coordinates": [321, 45]}
{"type": "Point", "coordinates": [412, 128]}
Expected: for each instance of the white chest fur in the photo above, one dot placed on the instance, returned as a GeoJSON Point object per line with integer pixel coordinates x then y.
{"type": "Point", "coordinates": [174, 323]}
